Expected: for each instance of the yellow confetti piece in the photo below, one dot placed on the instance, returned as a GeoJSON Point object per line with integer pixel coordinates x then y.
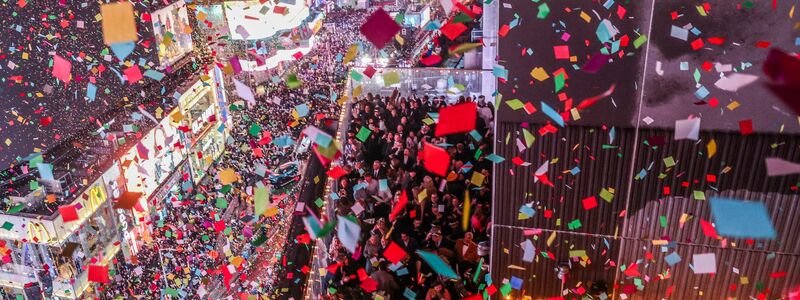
{"type": "Point", "coordinates": [733, 105]}
{"type": "Point", "coordinates": [586, 17]}
{"type": "Point", "coordinates": [119, 24]}
{"type": "Point", "coordinates": [271, 211]}
{"type": "Point", "coordinates": [351, 53]}
{"type": "Point", "coordinates": [551, 238]}
{"type": "Point", "coordinates": [539, 74]}
{"type": "Point", "coordinates": [477, 179]}
{"type": "Point", "coordinates": [701, 10]}
{"type": "Point", "coordinates": [176, 117]}
{"type": "Point", "coordinates": [684, 218]}
{"type": "Point", "coordinates": [575, 114]}
{"type": "Point", "coordinates": [711, 147]}
{"type": "Point", "coordinates": [228, 176]}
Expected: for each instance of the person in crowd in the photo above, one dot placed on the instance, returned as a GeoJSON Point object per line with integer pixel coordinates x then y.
{"type": "Point", "coordinates": [432, 218]}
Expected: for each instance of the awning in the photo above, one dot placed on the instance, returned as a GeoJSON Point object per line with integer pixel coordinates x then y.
{"type": "Point", "coordinates": [127, 200]}
{"type": "Point", "coordinates": [68, 249]}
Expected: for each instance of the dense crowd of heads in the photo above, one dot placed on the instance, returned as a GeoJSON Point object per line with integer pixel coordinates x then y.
{"type": "Point", "coordinates": [389, 164]}
{"type": "Point", "coordinates": [189, 254]}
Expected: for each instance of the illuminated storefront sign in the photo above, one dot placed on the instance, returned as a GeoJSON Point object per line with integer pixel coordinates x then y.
{"type": "Point", "coordinates": [199, 104]}
{"type": "Point", "coordinates": [38, 233]}
{"type": "Point", "coordinates": [246, 23]}
{"type": "Point", "coordinates": [172, 32]}
{"type": "Point", "coordinates": [219, 88]}
{"type": "Point", "coordinates": [145, 169]}
{"type": "Point", "coordinates": [165, 188]}
{"type": "Point", "coordinates": [200, 122]}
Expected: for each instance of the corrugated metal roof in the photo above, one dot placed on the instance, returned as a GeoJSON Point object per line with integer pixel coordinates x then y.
{"type": "Point", "coordinates": [736, 170]}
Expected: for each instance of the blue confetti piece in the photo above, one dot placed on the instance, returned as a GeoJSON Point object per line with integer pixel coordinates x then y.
{"type": "Point", "coordinates": [122, 50]}
{"type": "Point", "coordinates": [701, 93]}
{"type": "Point", "coordinates": [516, 283]}
{"type": "Point", "coordinates": [575, 170]}
{"type": "Point", "coordinates": [154, 74]}
{"type": "Point", "coordinates": [672, 259]}
{"type": "Point", "coordinates": [91, 91]}
{"type": "Point", "coordinates": [730, 215]}
{"type": "Point", "coordinates": [550, 112]}
{"type": "Point", "coordinates": [409, 294]}
{"type": "Point", "coordinates": [642, 174]}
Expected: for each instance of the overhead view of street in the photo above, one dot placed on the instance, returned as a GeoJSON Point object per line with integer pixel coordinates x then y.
{"type": "Point", "coordinates": [401, 149]}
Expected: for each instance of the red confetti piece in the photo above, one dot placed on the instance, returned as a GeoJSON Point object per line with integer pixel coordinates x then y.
{"type": "Point", "coordinates": [697, 44]}
{"type": "Point", "coordinates": [763, 44]}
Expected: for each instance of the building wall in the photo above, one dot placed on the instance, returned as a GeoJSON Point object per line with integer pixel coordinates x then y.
{"type": "Point", "coordinates": [624, 231]}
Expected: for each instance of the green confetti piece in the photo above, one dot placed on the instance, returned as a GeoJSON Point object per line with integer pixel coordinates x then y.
{"type": "Point", "coordinates": [363, 134]}
{"type": "Point", "coordinates": [221, 203]}
{"type": "Point", "coordinates": [515, 104]}
{"type": "Point", "coordinates": [639, 41]}
{"type": "Point", "coordinates": [606, 195]}
{"type": "Point", "coordinates": [544, 10]}
{"type": "Point", "coordinates": [669, 162]}
{"type": "Point", "coordinates": [574, 224]}
{"type": "Point", "coordinates": [699, 195]}
{"type": "Point", "coordinates": [559, 82]}
{"type": "Point", "coordinates": [506, 289]}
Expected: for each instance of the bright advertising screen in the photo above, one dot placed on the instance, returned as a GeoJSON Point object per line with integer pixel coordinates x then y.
{"type": "Point", "coordinates": [210, 16]}
{"type": "Point", "coordinates": [172, 32]}
{"type": "Point", "coordinates": [426, 16]}
{"type": "Point", "coordinates": [252, 20]}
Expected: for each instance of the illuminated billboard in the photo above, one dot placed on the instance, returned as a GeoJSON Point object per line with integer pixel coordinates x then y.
{"type": "Point", "coordinates": [150, 161]}
{"type": "Point", "coordinates": [172, 32]}
{"type": "Point", "coordinates": [426, 16]}
{"type": "Point", "coordinates": [252, 20]}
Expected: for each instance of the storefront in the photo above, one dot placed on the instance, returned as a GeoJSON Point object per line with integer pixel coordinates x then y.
{"type": "Point", "coordinates": [174, 185]}
{"type": "Point", "coordinates": [206, 114]}
{"type": "Point", "coordinates": [205, 152]}
{"type": "Point", "coordinates": [222, 99]}
{"type": "Point", "coordinates": [65, 247]}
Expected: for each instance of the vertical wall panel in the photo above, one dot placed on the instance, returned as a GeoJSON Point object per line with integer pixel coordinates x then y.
{"type": "Point", "coordinates": [738, 166]}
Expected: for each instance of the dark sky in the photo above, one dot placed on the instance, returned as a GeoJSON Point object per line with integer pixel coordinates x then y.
{"type": "Point", "coordinates": [31, 35]}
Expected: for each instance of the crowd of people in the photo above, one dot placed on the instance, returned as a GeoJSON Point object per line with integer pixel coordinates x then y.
{"type": "Point", "coordinates": [207, 240]}
{"type": "Point", "coordinates": [402, 205]}
{"type": "Point", "coordinates": [191, 253]}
